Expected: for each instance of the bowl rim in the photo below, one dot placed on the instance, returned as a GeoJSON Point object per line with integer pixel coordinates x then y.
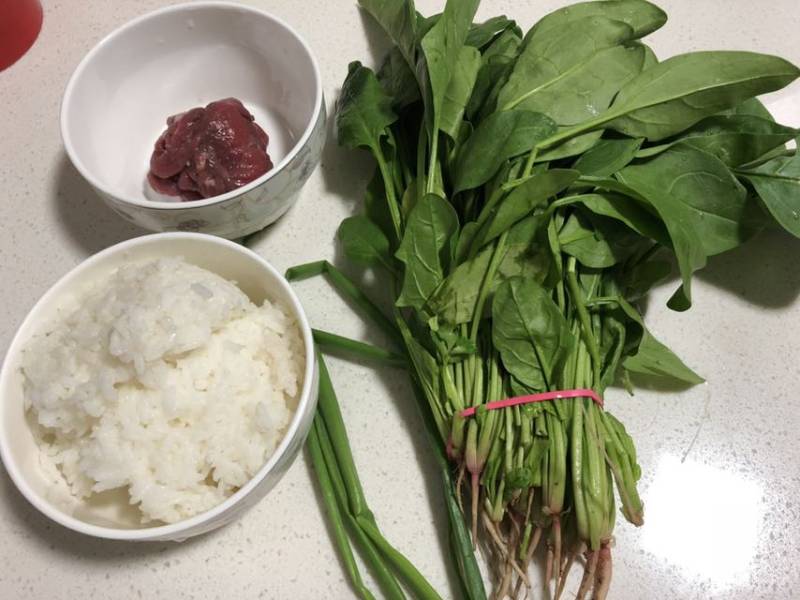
{"type": "Point", "coordinates": [305, 404]}
{"type": "Point", "coordinates": [301, 142]}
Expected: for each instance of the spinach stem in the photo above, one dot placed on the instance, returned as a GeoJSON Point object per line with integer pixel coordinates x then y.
{"type": "Point", "coordinates": [583, 315]}
{"type": "Point", "coordinates": [431, 184]}
{"type": "Point", "coordinates": [486, 285]}
{"type": "Point", "coordinates": [389, 187]}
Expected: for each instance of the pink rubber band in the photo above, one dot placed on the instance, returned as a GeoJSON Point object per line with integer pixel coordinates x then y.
{"type": "Point", "coordinates": [557, 395]}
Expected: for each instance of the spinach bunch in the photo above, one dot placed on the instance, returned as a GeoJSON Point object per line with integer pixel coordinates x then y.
{"type": "Point", "coordinates": [529, 191]}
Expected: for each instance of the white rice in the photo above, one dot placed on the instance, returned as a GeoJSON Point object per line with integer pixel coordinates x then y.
{"type": "Point", "coordinates": [167, 380]}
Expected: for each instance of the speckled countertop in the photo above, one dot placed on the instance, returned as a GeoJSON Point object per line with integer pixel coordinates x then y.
{"type": "Point", "coordinates": [721, 478]}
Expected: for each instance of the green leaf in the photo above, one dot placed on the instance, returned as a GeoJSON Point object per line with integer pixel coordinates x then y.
{"type": "Point", "coordinates": [628, 211]}
{"type": "Point", "coordinates": [527, 254]}
{"type": "Point", "coordinates": [735, 140]}
{"type": "Point", "coordinates": [398, 80]}
{"type": "Point", "coordinates": [376, 206]}
{"type": "Point", "coordinates": [364, 242]}
{"type": "Point", "coordinates": [398, 18]}
{"type": "Point", "coordinates": [583, 91]}
{"type": "Point", "coordinates": [497, 63]}
{"type": "Point", "coordinates": [642, 17]}
{"type": "Point", "coordinates": [523, 199]}
{"type": "Point", "coordinates": [777, 183]}
{"type": "Point", "coordinates": [454, 301]}
{"type": "Point", "coordinates": [529, 332]}
{"type": "Point", "coordinates": [556, 54]}
{"type": "Point", "coordinates": [459, 90]}
{"type": "Point", "coordinates": [677, 93]}
{"type": "Point", "coordinates": [364, 111]}
{"type": "Point", "coordinates": [497, 138]}
{"type": "Point", "coordinates": [442, 49]}
{"type": "Point", "coordinates": [465, 240]}
{"type": "Point", "coordinates": [639, 280]}
{"type": "Point", "coordinates": [704, 208]}
{"type": "Point", "coordinates": [425, 249]}
{"type": "Point", "coordinates": [752, 107]}
{"type": "Point", "coordinates": [650, 58]}
{"type": "Point", "coordinates": [581, 239]}
{"type": "Point", "coordinates": [711, 200]}
{"type": "Point", "coordinates": [608, 156]}
{"type": "Point", "coordinates": [654, 358]}
{"type": "Point", "coordinates": [409, 199]}
{"type": "Point", "coordinates": [481, 34]}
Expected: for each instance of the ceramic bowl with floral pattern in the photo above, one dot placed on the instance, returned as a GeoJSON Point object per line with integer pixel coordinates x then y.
{"type": "Point", "coordinates": [118, 99]}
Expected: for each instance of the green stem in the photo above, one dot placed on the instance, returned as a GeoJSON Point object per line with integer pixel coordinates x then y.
{"type": "Point", "coordinates": [583, 316]}
{"type": "Point", "coordinates": [386, 580]}
{"type": "Point", "coordinates": [577, 130]}
{"type": "Point", "coordinates": [329, 409]}
{"type": "Point", "coordinates": [330, 343]}
{"type": "Point", "coordinates": [460, 540]}
{"type": "Point", "coordinates": [529, 163]}
{"type": "Point", "coordinates": [431, 184]}
{"type": "Point", "coordinates": [391, 195]}
{"type": "Point", "coordinates": [349, 290]}
{"type": "Point", "coordinates": [335, 516]}
{"type": "Point", "coordinates": [418, 585]}
{"type": "Point", "coordinates": [486, 285]}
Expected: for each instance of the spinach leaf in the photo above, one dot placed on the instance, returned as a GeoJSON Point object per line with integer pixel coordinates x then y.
{"type": "Point", "coordinates": [650, 58]}
{"type": "Point", "coordinates": [376, 207]}
{"type": "Point", "coordinates": [497, 138]}
{"type": "Point", "coordinates": [441, 47]}
{"type": "Point", "coordinates": [581, 239]}
{"type": "Point", "coordinates": [703, 207]}
{"type": "Point", "coordinates": [677, 93]}
{"type": "Point", "coordinates": [398, 18]}
{"type": "Point", "coordinates": [711, 200]}
{"type": "Point", "coordinates": [523, 199]}
{"type": "Point", "coordinates": [454, 301]}
{"type": "Point", "coordinates": [629, 211]}
{"type": "Point", "coordinates": [608, 156]}
{"type": "Point", "coordinates": [527, 254]}
{"type": "Point", "coordinates": [586, 92]}
{"type": "Point", "coordinates": [572, 73]}
{"type": "Point", "coordinates": [777, 183]}
{"type": "Point", "coordinates": [459, 90]}
{"type": "Point", "coordinates": [426, 248]}
{"type": "Point", "coordinates": [465, 240]}
{"type": "Point", "coordinates": [735, 140]}
{"type": "Point", "coordinates": [497, 63]}
{"type": "Point", "coordinates": [549, 57]}
{"type": "Point", "coordinates": [652, 357]}
{"type": "Point", "coordinates": [364, 110]}
{"type": "Point", "coordinates": [398, 80]}
{"type": "Point", "coordinates": [529, 332]}
{"type": "Point", "coordinates": [481, 34]}
{"type": "Point", "coordinates": [642, 17]}
{"type": "Point", "coordinates": [364, 243]}
{"type": "Point", "coordinates": [641, 278]}
{"type": "Point", "coordinates": [751, 107]}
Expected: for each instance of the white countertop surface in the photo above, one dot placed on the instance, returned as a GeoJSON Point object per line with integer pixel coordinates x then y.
{"type": "Point", "coordinates": [721, 479]}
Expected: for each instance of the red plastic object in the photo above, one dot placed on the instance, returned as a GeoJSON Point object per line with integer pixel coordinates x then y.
{"type": "Point", "coordinates": [20, 22]}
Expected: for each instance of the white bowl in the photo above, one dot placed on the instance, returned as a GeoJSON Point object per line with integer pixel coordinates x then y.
{"type": "Point", "coordinates": [37, 478]}
{"type": "Point", "coordinates": [118, 99]}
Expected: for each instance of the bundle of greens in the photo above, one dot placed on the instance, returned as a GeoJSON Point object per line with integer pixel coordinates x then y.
{"type": "Point", "coordinates": [529, 191]}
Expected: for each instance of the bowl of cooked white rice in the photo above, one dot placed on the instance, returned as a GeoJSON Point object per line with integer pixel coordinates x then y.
{"type": "Point", "coordinates": [158, 390]}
